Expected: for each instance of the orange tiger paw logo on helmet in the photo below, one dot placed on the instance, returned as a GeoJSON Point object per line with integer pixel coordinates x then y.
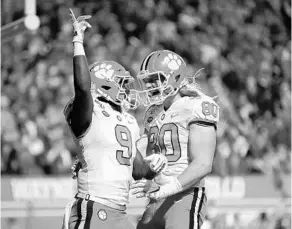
{"type": "Point", "coordinates": [104, 71]}
{"type": "Point", "coordinates": [172, 61]}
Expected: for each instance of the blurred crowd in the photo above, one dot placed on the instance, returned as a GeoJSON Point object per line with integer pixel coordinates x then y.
{"type": "Point", "coordinates": [244, 47]}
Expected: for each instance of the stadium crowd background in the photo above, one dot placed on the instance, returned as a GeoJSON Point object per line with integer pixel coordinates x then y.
{"type": "Point", "coordinates": [244, 46]}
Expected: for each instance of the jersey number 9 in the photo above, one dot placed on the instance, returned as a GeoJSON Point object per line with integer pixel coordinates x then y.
{"type": "Point", "coordinates": [124, 138]}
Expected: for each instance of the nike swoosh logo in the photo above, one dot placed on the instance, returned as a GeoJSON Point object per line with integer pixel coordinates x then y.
{"type": "Point", "coordinates": [173, 115]}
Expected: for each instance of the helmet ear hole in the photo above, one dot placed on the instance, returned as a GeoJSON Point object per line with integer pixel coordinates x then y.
{"type": "Point", "coordinates": [105, 87]}
{"type": "Point", "coordinates": [177, 78]}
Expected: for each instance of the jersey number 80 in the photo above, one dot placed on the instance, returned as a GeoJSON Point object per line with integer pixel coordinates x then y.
{"type": "Point", "coordinates": [156, 141]}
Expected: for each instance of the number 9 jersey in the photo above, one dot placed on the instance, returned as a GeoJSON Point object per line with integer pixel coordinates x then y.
{"type": "Point", "coordinates": [168, 131]}
{"type": "Point", "coordinates": [106, 152]}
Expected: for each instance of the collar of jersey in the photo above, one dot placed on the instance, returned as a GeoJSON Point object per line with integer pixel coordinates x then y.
{"type": "Point", "coordinates": [173, 104]}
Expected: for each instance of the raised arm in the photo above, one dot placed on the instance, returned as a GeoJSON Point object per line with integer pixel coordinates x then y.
{"type": "Point", "coordinates": [81, 114]}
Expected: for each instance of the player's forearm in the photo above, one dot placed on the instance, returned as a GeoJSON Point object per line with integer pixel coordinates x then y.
{"type": "Point", "coordinates": [193, 174]}
{"type": "Point", "coordinates": [81, 114]}
{"type": "Point", "coordinates": [173, 185]}
{"type": "Point", "coordinates": [143, 171]}
{"type": "Point", "coordinates": [82, 81]}
{"type": "Point", "coordinates": [148, 173]}
{"type": "Point", "coordinates": [201, 147]}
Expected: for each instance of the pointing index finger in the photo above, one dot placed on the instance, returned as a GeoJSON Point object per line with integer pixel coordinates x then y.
{"type": "Point", "coordinates": [72, 14]}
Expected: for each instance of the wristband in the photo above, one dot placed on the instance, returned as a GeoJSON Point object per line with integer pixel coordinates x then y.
{"type": "Point", "coordinates": [78, 49]}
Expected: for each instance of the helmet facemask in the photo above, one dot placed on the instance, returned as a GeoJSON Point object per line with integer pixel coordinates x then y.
{"type": "Point", "coordinates": [131, 99]}
{"type": "Point", "coordinates": [154, 87]}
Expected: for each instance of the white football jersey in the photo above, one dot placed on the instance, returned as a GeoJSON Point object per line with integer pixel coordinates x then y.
{"type": "Point", "coordinates": [107, 151]}
{"type": "Point", "coordinates": [168, 132]}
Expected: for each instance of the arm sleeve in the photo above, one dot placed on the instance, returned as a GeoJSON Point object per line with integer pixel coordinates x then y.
{"type": "Point", "coordinates": [80, 116]}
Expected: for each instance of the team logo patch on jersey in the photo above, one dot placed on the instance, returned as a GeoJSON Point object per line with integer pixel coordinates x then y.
{"type": "Point", "coordinates": [99, 103]}
{"type": "Point", "coordinates": [102, 214]}
{"type": "Point", "coordinates": [106, 114]}
{"type": "Point", "coordinates": [150, 119]}
{"type": "Point", "coordinates": [174, 115]}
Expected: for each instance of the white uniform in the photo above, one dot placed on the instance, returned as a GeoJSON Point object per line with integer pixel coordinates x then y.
{"type": "Point", "coordinates": [107, 152]}
{"type": "Point", "coordinates": [169, 131]}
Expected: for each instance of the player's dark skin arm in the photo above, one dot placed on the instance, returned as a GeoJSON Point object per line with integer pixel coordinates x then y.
{"type": "Point", "coordinates": [141, 169]}
{"type": "Point", "coordinates": [81, 114]}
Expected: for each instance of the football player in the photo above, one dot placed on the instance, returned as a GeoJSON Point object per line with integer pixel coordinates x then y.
{"type": "Point", "coordinates": [106, 137]}
{"type": "Point", "coordinates": [181, 123]}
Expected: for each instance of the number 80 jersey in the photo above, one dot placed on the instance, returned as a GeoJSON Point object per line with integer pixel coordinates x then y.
{"type": "Point", "coordinates": [168, 131]}
{"type": "Point", "coordinates": [107, 151]}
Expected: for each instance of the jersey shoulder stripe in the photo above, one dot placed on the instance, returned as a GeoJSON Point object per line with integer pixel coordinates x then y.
{"type": "Point", "coordinates": [201, 108]}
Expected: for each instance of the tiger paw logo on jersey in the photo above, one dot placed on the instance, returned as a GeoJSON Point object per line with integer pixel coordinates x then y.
{"type": "Point", "coordinates": [150, 119]}
{"type": "Point", "coordinates": [104, 71]}
{"type": "Point", "coordinates": [102, 214]}
{"type": "Point", "coordinates": [172, 61]}
{"type": "Point", "coordinates": [106, 114]}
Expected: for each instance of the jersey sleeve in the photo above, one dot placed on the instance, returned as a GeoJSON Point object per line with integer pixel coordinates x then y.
{"type": "Point", "coordinates": [203, 110]}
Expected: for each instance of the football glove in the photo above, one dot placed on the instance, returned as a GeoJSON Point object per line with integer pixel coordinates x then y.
{"type": "Point", "coordinates": [157, 162]}
{"type": "Point", "coordinates": [140, 188]}
{"type": "Point", "coordinates": [166, 190]}
{"type": "Point", "coordinates": [79, 26]}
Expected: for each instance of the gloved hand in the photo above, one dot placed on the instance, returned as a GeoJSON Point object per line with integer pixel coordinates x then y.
{"type": "Point", "coordinates": [79, 26]}
{"type": "Point", "coordinates": [166, 190]}
{"type": "Point", "coordinates": [156, 162]}
{"type": "Point", "coordinates": [141, 188]}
